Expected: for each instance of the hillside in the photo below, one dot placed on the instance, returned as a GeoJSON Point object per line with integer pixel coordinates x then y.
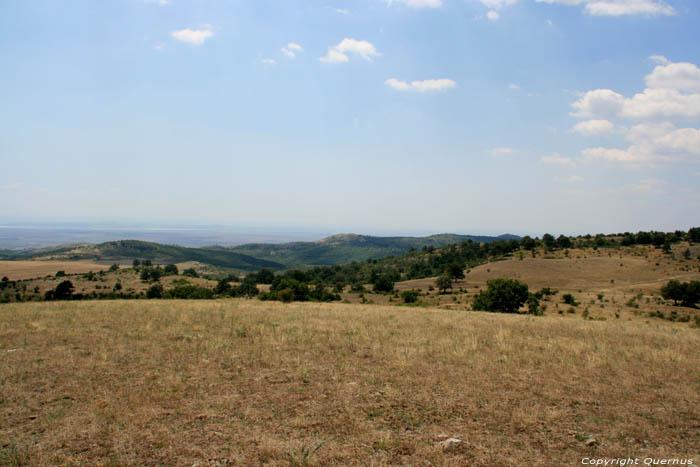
{"type": "Point", "coordinates": [346, 248]}
{"type": "Point", "coordinates": [127, 250]}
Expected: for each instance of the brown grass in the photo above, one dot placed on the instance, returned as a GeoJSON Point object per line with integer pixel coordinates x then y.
{"type": "Point", "coordinates": [242, 382]}
{"type": "Point", "coordinates": [19, 270]}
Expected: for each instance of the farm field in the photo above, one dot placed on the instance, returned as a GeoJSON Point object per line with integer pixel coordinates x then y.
{"type": "Point", "coordinates": [19, 270]}
{"type": "Point", "coordinates": [244, 382]}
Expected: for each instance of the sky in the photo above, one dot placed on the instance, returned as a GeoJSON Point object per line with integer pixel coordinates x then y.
{"type": "Point", "coordinates": [366, 116]}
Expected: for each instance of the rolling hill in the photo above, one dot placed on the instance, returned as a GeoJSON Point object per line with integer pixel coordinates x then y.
{"type": "Point", "coordinates": [345, 248]}
{"type": "Point", "coordinates": [134, 249]}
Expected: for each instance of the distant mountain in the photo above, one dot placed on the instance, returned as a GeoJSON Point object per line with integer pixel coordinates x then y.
{"type": "Point", "coordinates": [135, 249]}
{"type": "Point", "coordinates": [345, 248]}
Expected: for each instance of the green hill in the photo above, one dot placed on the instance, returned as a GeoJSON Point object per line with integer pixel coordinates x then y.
{"type": "Point", "coordinates": [134, 249]}
{"type": "Point", "coordinates": [345, 248]}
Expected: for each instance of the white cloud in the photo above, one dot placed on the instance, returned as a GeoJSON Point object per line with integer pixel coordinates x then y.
{"type": "Point", "coordinates": [572, 179]}
{"type": "Point", "coordinates": [342, 11]}
{"type": "Point", "coordinates": [418, 3]}
{"type": "Point", "coordinates": [493, 15]}
{"type": "Point", "coordinates": [292, 49]}
{"type": "Point", "coordinates": [193, 36]}
{"type": "Point", "coordinates": [502, 151]}
{"type": "Point", "coordinates": [497, 4]}
{"type": "Point", "coordinates": [421, 86]}
{"type": "Point", "coordinates": [660, 59]}
{"type": "Point", "coordinates": [513, 87]}
{"type": "Point", "coordinates": [594, 127]}
{"type": "Point", "coordinates": [340, 52]}
{"type": "Point", "coordinates": [158, 2]}
{"type": "Point", "coordinates": [679, 76]}
{"type": "Point", "coordinates": [557, 159]}
{"type": "Point", "coordinates": [673, 91]}
{"type": "Point", "coordinates": [268, 61]}
{"type": "Point", "coordinates": [619, 7]}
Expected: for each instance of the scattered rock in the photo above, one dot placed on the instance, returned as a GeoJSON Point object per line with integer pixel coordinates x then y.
{"type": "Point", "coordinates": [451, 444]}
{"type": "Point", "coordinates": [591, 442]}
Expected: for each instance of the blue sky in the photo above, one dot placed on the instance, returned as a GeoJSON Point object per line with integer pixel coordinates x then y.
{"type": "Point", "coordinates": [409, 116]}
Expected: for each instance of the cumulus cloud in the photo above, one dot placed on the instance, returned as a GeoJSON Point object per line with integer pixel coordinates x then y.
{"type": "Point", "coordinates": [342, 11]}
{"type": "Point", "coordinates": [421, 86]}
{"type": "Point", "coordinates": [341, 53]}
{"type": "Point", "coordinates": [594, 127]}
{"type": "Point", "coordinates": [656, 138]}
{"type": "Point", "coordinates": [493, 15]}
{"type": "Point", "coordinates": [268, 61]}
{"type": "Point", "coordinates": [673, 91]}
{"type": "Point", "coordinates": [292, 49]}
{"type": "Point", "coordinates": [193, 36]}
{"type": "Point", "coordinates": [619, 7]}
{"type": "Point", "coordinates": [557, 159]}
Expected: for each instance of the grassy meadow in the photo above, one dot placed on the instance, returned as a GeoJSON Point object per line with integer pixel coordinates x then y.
{"type": "Point", "coordinates": [244, 382]}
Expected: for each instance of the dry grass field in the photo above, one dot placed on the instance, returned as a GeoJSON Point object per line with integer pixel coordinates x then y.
{"type": "Point", "coordinates": [244, 382]}
{"type": "Point", "coordinates": [19, 270]}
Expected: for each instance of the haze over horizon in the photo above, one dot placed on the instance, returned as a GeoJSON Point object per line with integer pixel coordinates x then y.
{"type": "Point", "coordinates": [370, 117]}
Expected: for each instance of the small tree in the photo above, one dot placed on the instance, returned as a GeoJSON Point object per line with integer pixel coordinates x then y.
{"type": "Point", "coordinates": [443, 283]}
{"type": "Point", "coordinates": [155, 291]}
{"type": "Point", "coordinates": [114, 267]}
{"type": "Point", "coordinates": [63, 291]}
{"type": "Point", "coordinates": [171, 270]}
{"type": "Point", "coordinates": [569, 299]}
{"type": "Point", "coordinates": [456, 271]}
{"type": "Point", "coordinates": [410, 296]}
{"type": "Point", "coordinates": [502, 295]}
{"type": "Point", "coordinates": [383, 283]}
{"type": "Point", "coordinates": [136, 263]}
{"type": "Point", "coordinates": [190, 272]}
{"type": "Point", "coordinates": [533, 305]}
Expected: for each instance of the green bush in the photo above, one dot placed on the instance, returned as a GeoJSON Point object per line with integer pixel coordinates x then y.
{"type": "Point", "coordinates": [502, 295]}
{"type": "Point", "coordinates": [410, 296]}
{"type": "Point", "coordinates": [155, 291]}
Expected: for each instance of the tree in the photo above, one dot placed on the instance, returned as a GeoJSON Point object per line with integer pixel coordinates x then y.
{"type": "Point", "coordinates": [528, 242]}
{"type": "Point", "coordinates": [155, 291]}
{"type": "Point", "coordinates": [533, 305]}
{"type": "Point", "coordinates": [171, 270]}
{"type": "Point", "coordinates": [455, 271]}
{"type": "Point", "coordinates": [265, 276]}
{"type": "Point", "coordinates": [383, 283]}
{"type": "Point", "coordinates": [136, 263]}
{"type": "Point", "coordinates": [502, 295]}
{"type": "Point", "coordinates": [688, 293]}
{"type": "Point", "coordinates": [114, 267]}
{"type": "Point", "coordinates": [694, 235]}
{"type": "Point", "coordinates": [222, 287]}
{"type": "Point", "coordinates": [63, 291]}
{"type": "Point", "coordinates": [443, 283]}
{"type": "Point", "coordinates": [548, 241]}
{"type": "Point", "coordinates": [563, 241]}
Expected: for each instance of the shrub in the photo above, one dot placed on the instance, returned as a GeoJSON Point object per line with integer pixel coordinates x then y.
{"type": "Point", "coordinates": [502, 295]}
{"type": "Point", "coordinates": [171, 270]}
{"type": "Point", "coordinates": [189, 292]}
{"type": "Point", "coordinates": [410, 296]}
{"type": "Point", "coordinates": [569, 299]}
{"type": "Point", "coordinates": [190, 272]}
{"type": "Point", "coordinates": [60, 273]}
{"type": "Point", "coordinates": [155, 291]}
{"type": "Point", "coordinates": [383, 283]}
{"type": "Point", "coordinates": [533, 305]}
{"type": "Point", "coordinates": [114, 267]}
